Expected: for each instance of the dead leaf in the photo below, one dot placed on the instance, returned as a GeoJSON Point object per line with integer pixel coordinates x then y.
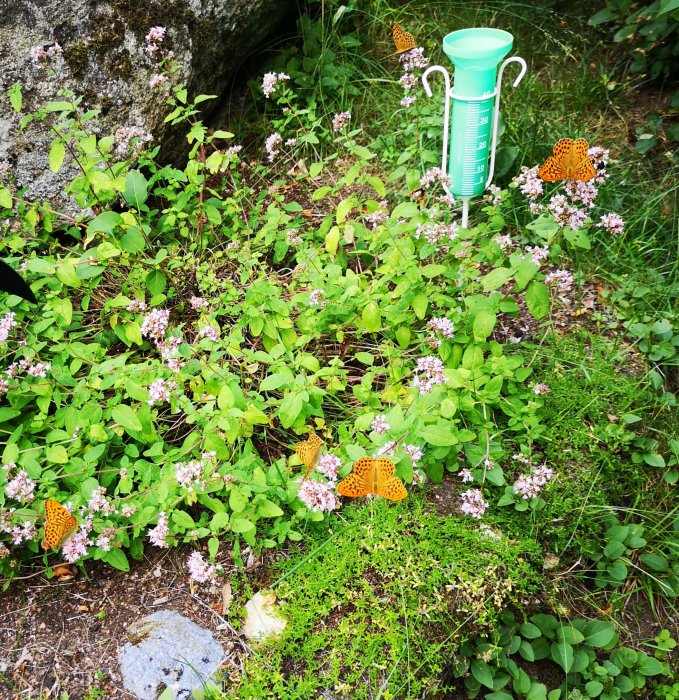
{"type": "Point", "coordinates": [227, 597]}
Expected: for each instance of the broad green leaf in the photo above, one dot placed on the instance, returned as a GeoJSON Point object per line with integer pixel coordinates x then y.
{"type": "Point", "coordinates": [15, 96]}
{"type": "Point", "coordinates": [117, 559]}
{"type": "Point", "coordinates": [332, 240]}
{"type": "Point", "coordinates": [439, 435]}
{"type": "Point", "coordinates": [155, 282]}
{"type": "Point", "coordinates": [562, 654]}
{"type": "Point", "coordinates": [371, 317]}
{"type": "Point", "coordinates": [125, 416]}
{"type": "Point", "coordinates": [268, 509]}
{"type": "Point", "coordinates": [290, 408]}
{"type": "Point", "coordinates": [56, 156]}
{"type": "Point", "coordinates": [183, 520]}
{"type": "Point", "coordinates": [578, 238]}
{"type": "Point", "coordinates": [56, 454]}
{"type": "Point", "coordinates": [484, 322]}
{"type": "Point", "coordinates": [5, 198]}
{"type": "Point", "coordinates": [482, 673]}
{"type": "Point", "coordinates": [105, 222]}
{"type": "Point", "coordinates": [495, 278]}
{"type": "Point", "coordinates": [598, 633]}
{"type": "Point", "coordinates": [537, 300]}
{"type": "Point", "coordinates": [419, 304]}
{"type": "Point", "coordinates": [136, 188]}
{"type": "Point", "coordinates": [242, 525]}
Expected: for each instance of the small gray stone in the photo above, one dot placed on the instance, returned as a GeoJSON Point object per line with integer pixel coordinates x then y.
{"type": "Point", "coordinates": [164, 650]}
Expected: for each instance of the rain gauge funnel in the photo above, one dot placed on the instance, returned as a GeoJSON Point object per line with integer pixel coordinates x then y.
{"type": "Point", "coordinates": [475, 97]}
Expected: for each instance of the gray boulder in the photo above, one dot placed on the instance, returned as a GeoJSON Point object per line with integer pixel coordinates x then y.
{"type": "Point", "coordinates": [167, 650]}
{"type": "Point", "coordinates": [96, 49]}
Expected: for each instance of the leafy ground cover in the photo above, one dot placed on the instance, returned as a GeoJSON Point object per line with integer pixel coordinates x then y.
{"type": "Point", "coordinates": [520, 373]}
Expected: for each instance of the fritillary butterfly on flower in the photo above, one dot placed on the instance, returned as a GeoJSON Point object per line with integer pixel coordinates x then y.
{"type": "Point", "coordinates": [309, 452]}
{"type": "Point", "coordinates": [403, 40]}
{"type": "Point", "coordinates": [59, 525]}
{"type": "Point", "coordinates": [373, 475]}
{"type": "Point", "coordinates": [569, 161]}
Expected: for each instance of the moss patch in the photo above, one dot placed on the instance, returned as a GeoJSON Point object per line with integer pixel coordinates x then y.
{"type": "Point", "coordinates": [384, 601]}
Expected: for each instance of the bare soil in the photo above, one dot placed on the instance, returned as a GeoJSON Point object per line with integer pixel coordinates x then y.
{"type": "Point", "coordinates": [63, 635]}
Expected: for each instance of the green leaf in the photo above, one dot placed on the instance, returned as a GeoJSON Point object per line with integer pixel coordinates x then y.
{"type": "Point", "coordinates": [529, 631]}
{"type": "Point", "coordinates": [439, 435]}
{"type": "Point", "coordinates": [343, 209]}
{"type": "Point", "coordinates": [419, 304]}
{"type": "Point", "coordinates": [5, 198]}
{"type": "Point", "coordinates": [136, 189]}
{"type": "Point", "coordinates": [538, 691]}
{"type": "Point", "coordinates": [125, 416]}
{"type": "Point", "coordinates": [484, 322]}
{"type": "Point", "coordinates": [275, 381]}
{"type": "Point", "coordinates": [332, 240]}
{"type": "Point", "coordinates": [403, 336]}
{"type": "Point", "coordinates": [242, 525]}
{"type": "Point", "coordinates": [648, 666]}
{"type": "Point", "coordinates": [537, 300]}
{"type": "Point", "coordinates": [315, 169]}
{"type": "Point", "coordinates": [371, 317]}
{"type": "Point", "coordinates": [562, 654]}
{"type": "Point", "coordinates": [155, 282]}
{"type": "Point", "coordinates": [290, 408]}
{"type": "Point", "coordinates": [569, 635]}
{"type": "Point", "coordinates": [525, 272]}
{"type": "Point", "coordinates": [482, 673]}
{"type": "Point", "coordinates": [268, 509]}
{"type": "Point", "coordinates": [117, 559]}
{"type": "Point", "coordinates": [594, 689]}
{"type": "Point", "coordinates": [15, 96]}
{"type": "Point", "coordinates": [598, 633]}
{"type": "Point", "coordinates": [67, 275]}
{"type": "Point", "coordinates": [578, 238]}
{"type": "Point", "coordinates": [57, 153]}
{"type": "Point", "coordinates": [654, 459]}
{"type": "Point", "coordinates": [495, 278]}
{"type": "Point", "coordinates": [56, 454]}
{"type": "Point", "coordinates": [655, 562]}
{"type": "Point", "coordinates": [133, 241]}
{"type": "Point", "coordinates": [104, 222]}
{"type": "Point", "coordinates": [183, 520]}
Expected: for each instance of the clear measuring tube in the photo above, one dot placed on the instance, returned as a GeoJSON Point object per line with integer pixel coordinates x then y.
{"type": "Point", "coordinates": [470, 137]}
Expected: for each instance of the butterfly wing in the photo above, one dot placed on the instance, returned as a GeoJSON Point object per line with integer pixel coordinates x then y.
{"type": "Point", "coordinates": [403, 40]}
{"type": "Point", "coordinates": [387, 484]}
{"type": "Point", "coordinates": [555, 167]}
{"type": "Point", "coordinates": [59, 525]}
{"type": "Point", "coordinates": [358, 483]}
{"type": "Point", "coordinates": [309, 452]}
{"type": "Point", "coordinates": [582, 168]}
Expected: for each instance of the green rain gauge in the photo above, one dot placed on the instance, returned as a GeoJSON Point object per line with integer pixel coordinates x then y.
{"type": "Point", "coordinates": [475, 98]}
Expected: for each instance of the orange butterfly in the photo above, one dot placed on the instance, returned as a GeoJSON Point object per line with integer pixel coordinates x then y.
{"type": "Point", "coordinates": [309, 452]}
{"type": "Point", "coordinates": [403, 40]}
{"type": "Point", "coordinates": [569, 162]}
{"type": "Point", "coordinates": [373, 475]}
{"type": "Point", "coordinates": [59, 525]}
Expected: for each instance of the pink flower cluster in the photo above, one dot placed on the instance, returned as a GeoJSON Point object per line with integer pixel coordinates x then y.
{"type": "Point", "coordinates": [199, 570]}
{"type": "Point", "coordinates": [428, 373]}
{"type": "Point", "coordinates": [466, 476]}
{"type": "Point", "coordinates": [7, 322]}
{"type": "Point", "coordinates": [561, 280]}
{"type": "Point", "coordinates": [612, 223]}
{"type": "Point", "coordinates": [541, 389]}
{"type": "Point", "coordinates": [443, 326]}
{"type": "Point", "coordinates": [189, 475]}
{"type": "Point", "coordinates": [472, 503]}
{"type": "Point", "coordinates": [158, 534]}
{"type": "Point", "coordinates": [75, 547]}
{"type": "Point", "coordinates": [39, 369]}
{"type": "Point", "coordinates": [493, 196]}
{"type": "Point", "coordinates": [98, 502]}
{"type": "Point", "coordinates": [153, 40]}
{"type": "Point", "coordinates": [318, 495]}
{"type": "Point", "coordinates": [270, 81]}
{"type": "Point", "coordinates": [130, 137]}
{"type": "Point", "coordinates": [316, 298]}
{"type": "Point", "coordinates": [21, 487]}
{"type": "Point", "coordinates": [40, 55]}
{"type": "Point", "coordinates": [198, 303]}
{"type": "Point", "coordinates": [530, 485]}
{"type": "Point", "coordinates": [273, 146]}
{"type": "Point", "coordinates": [434, 175]}
{"type": "Point", "coordinates": [389, 448]}
{"type": "Point", "coordinates": [411, 61]}
{"type": "Point", "coordinates": [329, 465]}
{"type": "Point", "coordinates": [379, 216]}
{"type": "Point", "coordinates": [379, 425]}
{"type": "Point", "coordinates": [137, 305]}
{"type": "Point", "coordinates": [209, 332]}
{"type": "Point", "coordinates": [435, 233]}
{"type": "Point", "coordinates": [340, 121]}
{"type": "Point", "coordinates": [414, 452]}
{"type": "Point", "coordinates": [160, 391]}
{"type": "Point", "coordinates": [155, 324]}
